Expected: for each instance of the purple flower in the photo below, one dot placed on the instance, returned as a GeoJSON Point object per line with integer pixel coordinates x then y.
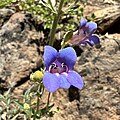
{"type": "Point", "coordinates": [59, 66]}
{"type": "Point", "coordinates": [85, 34]}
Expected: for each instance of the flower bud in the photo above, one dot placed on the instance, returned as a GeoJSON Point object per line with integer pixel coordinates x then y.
{"type": "Point", "coordinates": [26, 106]}
{"type": "Point", "coordinates": [36, 76]}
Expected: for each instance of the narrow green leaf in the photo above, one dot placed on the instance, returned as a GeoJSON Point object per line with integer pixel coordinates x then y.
{"type": "Point", "coordinates": [67, 36]}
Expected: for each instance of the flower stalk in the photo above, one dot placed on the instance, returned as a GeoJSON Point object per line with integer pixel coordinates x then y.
{"type": "Point", "coordinates": [48, 100]}
{"type": "Point", "coordinates": [55, 22]}
{"type": "Point", "coordinates": [38, 100]}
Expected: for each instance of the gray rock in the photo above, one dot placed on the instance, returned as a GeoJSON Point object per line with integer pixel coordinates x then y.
{"type": "Point", "coordinates": [100, 69]}
{"type": "Point", "coordinates": [18, 55]}
{"type": "Point", "coordinates": [5, 15]}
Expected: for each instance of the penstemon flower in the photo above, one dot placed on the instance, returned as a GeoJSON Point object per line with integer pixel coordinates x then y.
{"type": "Point", "coordinates": [59, 73]}
{"type": "Point", "coordinates": [85, 34]}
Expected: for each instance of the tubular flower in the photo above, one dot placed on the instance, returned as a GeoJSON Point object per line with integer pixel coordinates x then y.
{"type": "Point", "coordinates": [59, 66]}
{"type": "Point", "coordinates": [85, 34]}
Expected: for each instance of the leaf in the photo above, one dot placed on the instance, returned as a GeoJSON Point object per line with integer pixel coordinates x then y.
{"type": "Point", "coordinates": [49, 4]}
{"type": "Point", "coordinates": [15, 117]}
{"type": "Point", "coordinates": [28, 91]}
{"type": "Point", "coordinates": [67, 37]}
{"type": "Point", "coordinates": [20, 105]}
{"type": "Point", "coordinates": [2, 98]}
{"type": "Point", "coordinates": [52, 3]}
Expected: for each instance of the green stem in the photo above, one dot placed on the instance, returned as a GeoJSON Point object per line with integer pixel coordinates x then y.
{"type": "Point", "coordinates": [48, 100]}
{"type": "Point", "coordinates": [55, 22]}
{"type": "Point", "coordinates": [38, 101]}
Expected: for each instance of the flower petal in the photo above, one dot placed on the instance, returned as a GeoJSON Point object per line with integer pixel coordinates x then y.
{"type": "Point", "coordinates": [49, 55]}
{"type": "Point", "coordinates": [68, 56]}
{"type": "Point", "coordinates": [83, 22]}
{"type": "Point", "coordinates": [63, 81]}
{"type": "Point", "coordinates": [75, 79]}
{"type": "Point", "coordinates": [51, 81]}
{"type": "Point", "coordinates": [83, 43]}
{"type": "Point", "coordinates": [94, 39]}
{"type": "Point", "coordinates": [76, 39]}
{"type": "Point", "coordinates": [92, 26]}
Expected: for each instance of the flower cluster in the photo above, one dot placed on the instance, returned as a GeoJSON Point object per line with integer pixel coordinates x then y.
{"type": "Point", "coordinates": [59, 73]}
{"type": "Point", "coordinates": [85, 34]}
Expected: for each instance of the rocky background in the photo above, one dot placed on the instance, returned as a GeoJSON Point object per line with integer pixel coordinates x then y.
{"type": "Point", "coordinates": [21, 49]}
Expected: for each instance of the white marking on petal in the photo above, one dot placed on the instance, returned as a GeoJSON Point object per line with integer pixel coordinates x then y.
{"type": "Point", "coordinates": [65, 73]}
{"type": "Point", "coordinates": [92, 42]}
{"type": "Point", "coordinates": [57, 74]}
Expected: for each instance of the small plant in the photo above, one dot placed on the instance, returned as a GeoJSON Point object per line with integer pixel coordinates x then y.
{"type": "Point", "coordinates": [7, 108]}
{"type": "Point", "coordinates": [44, 11]}
{"type": "Point", "coordinates": [25, 107]}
